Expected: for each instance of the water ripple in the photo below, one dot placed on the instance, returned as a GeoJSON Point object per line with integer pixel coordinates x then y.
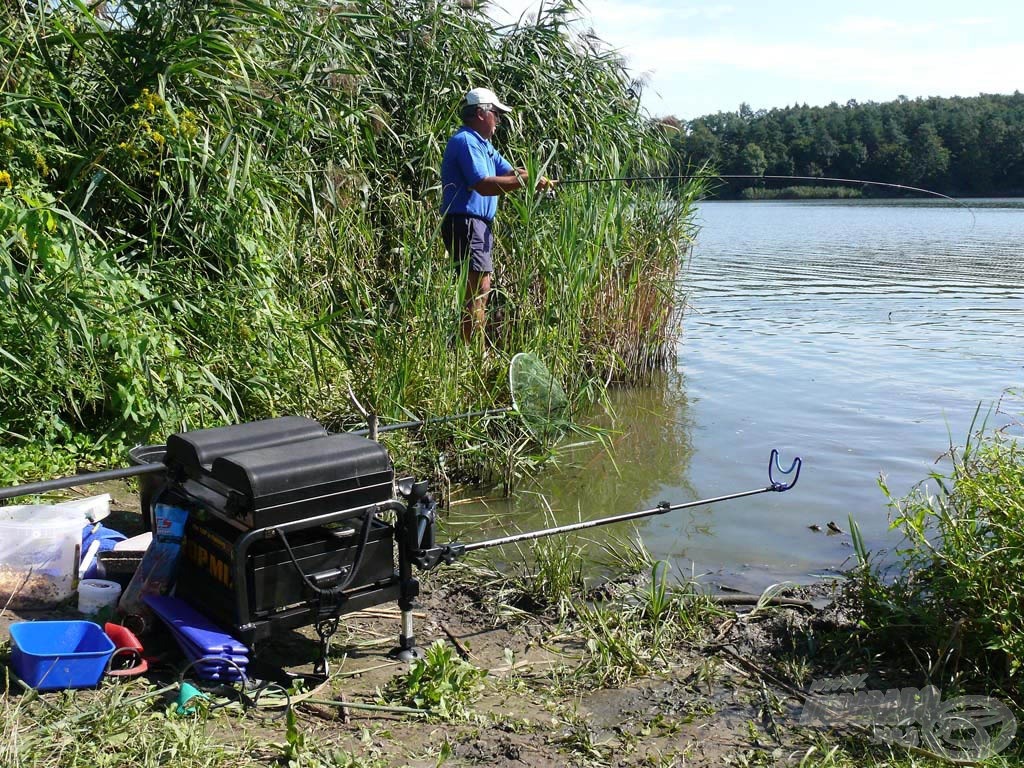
{"type": "Point", "coordinates": [863, 335]}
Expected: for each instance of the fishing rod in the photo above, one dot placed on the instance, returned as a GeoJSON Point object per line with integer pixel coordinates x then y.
{"type": "Point", "coordinates": [769, 177]}
{"type": "Point", "coordinates": [429, 556]}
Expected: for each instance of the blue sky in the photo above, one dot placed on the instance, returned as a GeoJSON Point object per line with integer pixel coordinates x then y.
{"type": "Point", "coordinates": [703, 57]}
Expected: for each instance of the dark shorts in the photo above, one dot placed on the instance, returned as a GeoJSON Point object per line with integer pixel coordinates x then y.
{"type": "Point", "coordinates": [468, 239]}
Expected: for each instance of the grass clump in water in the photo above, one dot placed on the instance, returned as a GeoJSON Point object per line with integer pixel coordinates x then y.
{"type": "Point", "coordinates": [809, 192]}
{"type": "Point", "coordinates": [958, 601]}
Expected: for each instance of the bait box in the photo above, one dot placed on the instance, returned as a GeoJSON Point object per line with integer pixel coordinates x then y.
{"type": "Point", "coordinates": [39, 550]}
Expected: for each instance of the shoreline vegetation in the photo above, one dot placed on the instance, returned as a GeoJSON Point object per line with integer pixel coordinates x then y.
{"type": "Point", "coordinates": [231, 215]}
{"type": "Point", "coordinates": [801, 193]}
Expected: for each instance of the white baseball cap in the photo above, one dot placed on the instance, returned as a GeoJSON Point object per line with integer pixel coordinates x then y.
{"type": "Point", "coordinates": [484, 97]}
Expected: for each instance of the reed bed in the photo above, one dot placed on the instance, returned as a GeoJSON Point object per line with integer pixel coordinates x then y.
{"type": "Point", "coordinates": [229, 211]}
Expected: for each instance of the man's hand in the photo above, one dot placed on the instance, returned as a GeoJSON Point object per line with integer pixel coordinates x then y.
{"type": "Point", "coordinates": [520, 177]}
{"type": "Point", "coordinates": [544, 184]}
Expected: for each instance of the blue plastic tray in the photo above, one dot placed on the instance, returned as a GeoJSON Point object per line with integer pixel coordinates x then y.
{"type": "Point", "coordinates": [200, 631]}
{"type": "Point", "coordinates": [53, 655]}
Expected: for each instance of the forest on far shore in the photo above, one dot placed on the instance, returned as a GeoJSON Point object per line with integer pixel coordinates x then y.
{"type": "Point", "coordinates": [961, 146]}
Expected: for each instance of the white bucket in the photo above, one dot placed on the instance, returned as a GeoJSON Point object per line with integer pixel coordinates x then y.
{"type": "Point", "coordinates": [96, 594]}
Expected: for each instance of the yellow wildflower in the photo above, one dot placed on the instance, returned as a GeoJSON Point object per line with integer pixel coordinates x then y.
{"type": "Point", "coordinates": [189, 124]}
{"type": "Point", "coordinates": [148, 102]}
{"type": "Point", "coordinates": [5, 179]}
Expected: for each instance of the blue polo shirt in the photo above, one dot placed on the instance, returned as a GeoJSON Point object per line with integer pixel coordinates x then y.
{"type": "Point", "coordinates": [469, 159]}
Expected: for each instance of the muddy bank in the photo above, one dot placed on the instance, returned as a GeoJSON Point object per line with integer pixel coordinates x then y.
{"type": "Point", "coordinates": [626, 672]}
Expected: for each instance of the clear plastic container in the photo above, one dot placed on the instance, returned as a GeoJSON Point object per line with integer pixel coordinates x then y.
{"type": "Point", "coordinates": [40, 546]}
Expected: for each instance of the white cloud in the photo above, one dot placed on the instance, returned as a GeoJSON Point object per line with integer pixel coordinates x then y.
{"type": "Point", "coordinates": [701, 59]}
{"type": "Point", "coordinates": [855, 26]}
{"type": "Point", "coordinates": [770, 76]}
{"type": "Point", "coordinates": [976, 21]}
{"type": "Point", "coordinates": [866, 25]}
{"type": "Point", "coordinates": [683, 55]}
{"type": "Point", "coordinates": [611, 15]}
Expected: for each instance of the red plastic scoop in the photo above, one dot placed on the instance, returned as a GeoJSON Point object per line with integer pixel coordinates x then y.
{"type": "Point", "coordinates": [126, 644]}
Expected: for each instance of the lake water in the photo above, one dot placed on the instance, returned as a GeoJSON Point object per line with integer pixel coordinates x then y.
{"type": "Point", "coordinates": [859, 335]}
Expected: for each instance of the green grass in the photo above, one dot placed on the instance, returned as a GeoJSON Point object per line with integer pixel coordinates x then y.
{"type": "Point", "coordinates": [957, 601]}
{"type": "Point", "coordinates": [857, 752]}
{"type": "Point", "coordinates": [627, 625]}
{"type": "Point", "coordinates": [642, 630]}
{"type": "Point", "coordinates": [114, 727]}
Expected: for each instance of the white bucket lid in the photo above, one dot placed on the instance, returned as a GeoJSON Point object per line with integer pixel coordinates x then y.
{"type": "Point", "coordinates": [78, 512]}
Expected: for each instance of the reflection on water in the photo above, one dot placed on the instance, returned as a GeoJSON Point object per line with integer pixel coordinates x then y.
{"type": "Point", "coordinates": [860, 335]}
{"type": "Point", "coordinates": [646, 456]}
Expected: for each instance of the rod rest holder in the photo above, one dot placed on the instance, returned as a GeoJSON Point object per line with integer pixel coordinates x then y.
{"type": "Point", "coordinates": [428, 559]}
{"type": "Point", "coordinates": [773, 465]}
{"type": "Point", "coordinates": [412, 490]}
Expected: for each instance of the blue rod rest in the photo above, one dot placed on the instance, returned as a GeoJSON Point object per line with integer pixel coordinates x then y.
{"type": "Point", "coordinates": [773, 466]}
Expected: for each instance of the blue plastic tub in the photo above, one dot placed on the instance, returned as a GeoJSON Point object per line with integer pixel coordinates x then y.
{"type": "Point", "coordinates": [52, 655]}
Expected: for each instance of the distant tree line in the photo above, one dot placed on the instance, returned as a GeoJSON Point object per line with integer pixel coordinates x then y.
{"type": "Point", "coordinates": [957, 146]}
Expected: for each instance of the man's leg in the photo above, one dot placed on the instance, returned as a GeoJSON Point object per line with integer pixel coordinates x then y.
{"type": "Point", "coordinates": [478, 289]}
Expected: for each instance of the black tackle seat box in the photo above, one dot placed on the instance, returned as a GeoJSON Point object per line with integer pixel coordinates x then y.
{"type": "Point", "coordinates": [280, 471]}
{"type": "Point", "coordinates": [306, 479]}
{"type": "Point", "coordinates": [273, 585]}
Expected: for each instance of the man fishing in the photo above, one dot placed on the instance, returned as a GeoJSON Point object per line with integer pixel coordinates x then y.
{"type": "Point", "coordinates": [473, 175]}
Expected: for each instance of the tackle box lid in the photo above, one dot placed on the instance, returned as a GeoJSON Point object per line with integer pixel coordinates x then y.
{"type": "Point", "coordinates": [196, 451]}
{"type": "Point", "coordinates": [321, 466]}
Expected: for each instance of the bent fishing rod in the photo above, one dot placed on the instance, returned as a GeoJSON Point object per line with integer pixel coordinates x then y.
{"type": "Point", "coordinates": [767, 177]}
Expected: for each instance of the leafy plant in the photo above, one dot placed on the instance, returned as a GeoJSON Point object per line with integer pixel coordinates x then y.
{"type": "Point", "coordinates": [440, 682]}
{"type": "Point", "coordinates": [294, 749]}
